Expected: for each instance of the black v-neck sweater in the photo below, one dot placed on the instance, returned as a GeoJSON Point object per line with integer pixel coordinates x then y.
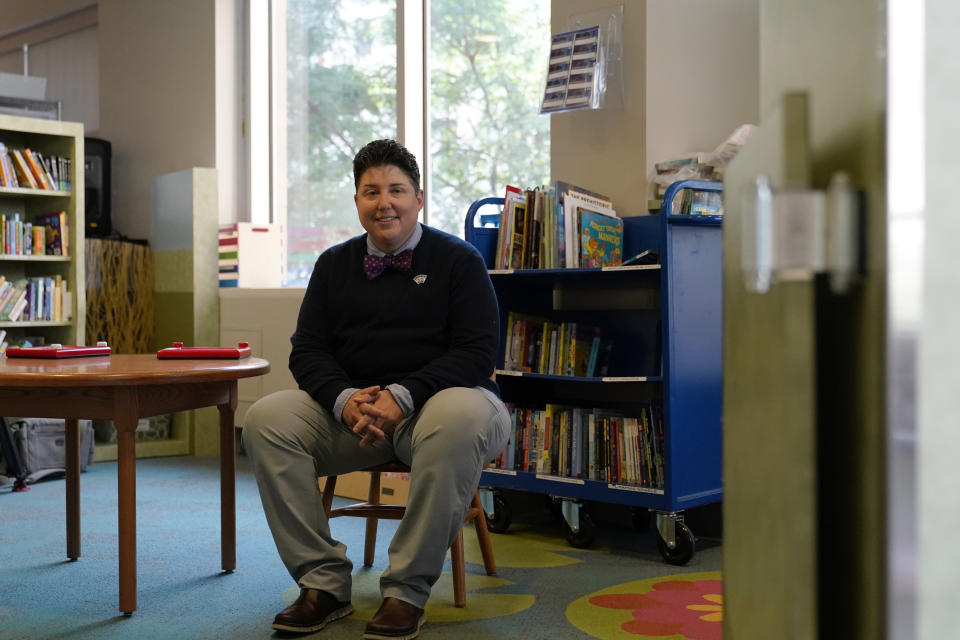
{"type": "Point", "coordinates": [435, 328]}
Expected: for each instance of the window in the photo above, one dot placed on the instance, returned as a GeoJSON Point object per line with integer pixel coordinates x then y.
{"type": "Point", "coordinates": [338, 74]}
{"type": "Point", "coordinates": [487, 66]}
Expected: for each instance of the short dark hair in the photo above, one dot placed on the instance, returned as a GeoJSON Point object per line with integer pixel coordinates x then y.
{"type": "Point", "coordinates": [383, 152]}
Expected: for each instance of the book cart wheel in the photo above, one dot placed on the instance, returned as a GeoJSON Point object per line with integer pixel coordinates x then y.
{"type": "Point", "coordinates": [554, 506]}
{"type": "Point", "coordinates": [578, 526]}
{"type": "Point", "coordinates": [499, 520]}
{"type": "Point", "coordinates": [684, 544]}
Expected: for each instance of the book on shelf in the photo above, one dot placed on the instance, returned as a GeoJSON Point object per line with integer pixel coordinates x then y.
{"type": "Point", "coordinates": [6, 290]}
{"type": "Point", "coordinates": [598, 444]}
{"type": "Point", "coordinates": [56, 235]}
{"type": "Point", "coordinates": [505, 232]}
{"type": "Point", "coordinates": [601, 239]}
{"type": "Point", "coordinates": [533, 344]}
{"type": "Point", "coordinates": [34, 298]}
{"type": "Point", "coordinates": [24, 176]}
{"type": "Point", "coordinates": [12, 307]}
{"type": "Point", "coordinates": [39, 175]}
{"type": "Point", "coordinates": [25, 168]}
{"type": "Point", "coordinates": [572, 200]}
{"type": "Point", "coordinates": [8, 176]}
{"type": "Point", "coordinates": [539, 227]}
{"type": "Point", "coordinates": [518, 234]}
{"type": "Point", "coordinates": [47, 168]}
{"type": "Point", "coordinates": [43, 235]}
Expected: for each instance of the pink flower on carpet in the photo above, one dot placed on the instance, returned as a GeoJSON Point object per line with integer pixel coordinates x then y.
{"type": "Point", "coordinates": [691, 609]}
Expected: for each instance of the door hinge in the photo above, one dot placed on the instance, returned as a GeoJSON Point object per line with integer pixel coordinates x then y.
{"type": "Point", "coordinates": [794, 234]}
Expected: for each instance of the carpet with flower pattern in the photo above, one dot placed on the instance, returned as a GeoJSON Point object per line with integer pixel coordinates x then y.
{"type": "Point", "coordinates": [620, 588]}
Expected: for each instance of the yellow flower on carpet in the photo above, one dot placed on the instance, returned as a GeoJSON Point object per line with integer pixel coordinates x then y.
{"type": "Point", "coordinates": [716, 610]}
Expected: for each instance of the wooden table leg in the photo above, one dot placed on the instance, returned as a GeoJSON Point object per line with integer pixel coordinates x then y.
{"type": "Point", "coordinates": [72, 451]}
{"type": "Point", "coordinates": [228, 481]}
{"type": "Point", "coordinates": [127, 509]}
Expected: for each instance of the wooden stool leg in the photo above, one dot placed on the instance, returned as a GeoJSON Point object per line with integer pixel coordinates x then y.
{"type": "Point", "coordinates": [370, 543]}
{"type": "Point", "coordinates": [459, 573]}
{"type": "Point", "coordinates": [328, 488]}
{"type": "Point", "coordinates": [483, 537]}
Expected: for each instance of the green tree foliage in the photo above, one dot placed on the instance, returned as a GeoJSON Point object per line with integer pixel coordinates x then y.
{"type": "Point", "coordinates": [487, 69]}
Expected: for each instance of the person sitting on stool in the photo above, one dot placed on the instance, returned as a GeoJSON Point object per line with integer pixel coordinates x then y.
{"type": "Point", "coordinates": [393, 350]}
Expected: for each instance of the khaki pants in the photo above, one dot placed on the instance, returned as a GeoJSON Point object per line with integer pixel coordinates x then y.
{"type": "Point", "coordinates": [292, 441]}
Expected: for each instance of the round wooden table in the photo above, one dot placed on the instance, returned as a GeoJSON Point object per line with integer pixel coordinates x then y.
{"type": "Point", "coordinates": [125, 388]}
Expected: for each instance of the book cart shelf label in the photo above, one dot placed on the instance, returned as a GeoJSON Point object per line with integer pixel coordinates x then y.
{"type": "Point", "coordinates": [521, 374]}
{"type": "Point", "coordinates": [502, 472]}
{"type": "Point", "coordinates": [634, 488]}
{"type": "Point", "coordinates": [553, 478]}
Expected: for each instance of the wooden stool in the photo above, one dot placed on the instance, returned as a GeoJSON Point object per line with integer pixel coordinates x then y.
{"type": "Point", "coordinates": [373, 511]}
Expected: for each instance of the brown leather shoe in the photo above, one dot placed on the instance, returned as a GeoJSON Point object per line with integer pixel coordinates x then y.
{"type": "Point", "coordinates": [395, 620]}
{"type": "Point", "coordinates": [312, 611]}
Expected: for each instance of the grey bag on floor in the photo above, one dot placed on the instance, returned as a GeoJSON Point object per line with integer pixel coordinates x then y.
{"type": "Point", "coordinates": [41, 443]}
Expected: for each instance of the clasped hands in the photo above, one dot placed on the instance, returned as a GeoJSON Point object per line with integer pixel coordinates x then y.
{"type": "Point", "coordinates": [372, 413]}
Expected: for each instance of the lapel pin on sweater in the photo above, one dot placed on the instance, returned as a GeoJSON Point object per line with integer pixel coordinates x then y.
{"type": "Point", "coordinates": [420, 279]}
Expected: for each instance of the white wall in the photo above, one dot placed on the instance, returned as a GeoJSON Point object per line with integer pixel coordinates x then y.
{"type": "Point", "coordinates": [938, 435]}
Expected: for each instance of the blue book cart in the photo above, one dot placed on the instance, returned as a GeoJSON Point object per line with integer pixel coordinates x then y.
{"type": "Point", "coordinates": [665, 320]}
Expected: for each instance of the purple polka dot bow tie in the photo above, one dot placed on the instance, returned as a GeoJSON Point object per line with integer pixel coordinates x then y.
{"type": "Point", "coordinates": [373, 265]}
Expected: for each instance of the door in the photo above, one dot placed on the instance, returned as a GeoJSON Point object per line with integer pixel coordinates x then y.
{"type": "Point", "coordinates": [804, 385]}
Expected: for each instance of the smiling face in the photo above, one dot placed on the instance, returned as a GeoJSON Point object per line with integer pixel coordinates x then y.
{"type": "Point", "coordinates": [388, 206]}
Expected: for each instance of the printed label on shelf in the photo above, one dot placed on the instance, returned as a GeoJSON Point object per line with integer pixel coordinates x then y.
{"type": "Point", "coordinates": [503, 472]}
{"type": "Point", "coordinates": [543, 476]}
{"type": "Point", "coordinates": [499, 272]}
{"type": "Point", "coordinates": [630, 267]}
{"type": "Point", "coordinates": [625, 379]}
{"type": "Point", "coordinates": [504, 372]}
{"type": "Point", "coordinates": [627, 487]}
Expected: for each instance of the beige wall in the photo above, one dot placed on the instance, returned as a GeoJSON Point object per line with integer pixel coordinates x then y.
{"type": "Point", "coordinates": [703, 61]}
{"type": "Point", "coordinates": [157, 97]}
{"type": "Point", "coordinates": [16, 13]}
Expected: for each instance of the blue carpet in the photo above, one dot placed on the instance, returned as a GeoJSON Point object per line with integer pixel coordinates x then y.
{"type": "Point", "coordinates": [542, 589]}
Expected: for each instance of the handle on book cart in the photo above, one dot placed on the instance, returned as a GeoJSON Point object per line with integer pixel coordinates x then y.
{"type": "Point", "coordinates": [680, 185]}
{"type": "Point", "coordinates": [468, 233]}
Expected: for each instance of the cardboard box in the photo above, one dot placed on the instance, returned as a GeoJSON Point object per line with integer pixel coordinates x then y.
{"type": "Point", "coordinates": [394, 487]}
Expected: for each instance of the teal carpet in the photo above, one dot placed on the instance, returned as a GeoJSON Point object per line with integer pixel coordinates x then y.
{"type": "Point", "coordinates": [620, 588]}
